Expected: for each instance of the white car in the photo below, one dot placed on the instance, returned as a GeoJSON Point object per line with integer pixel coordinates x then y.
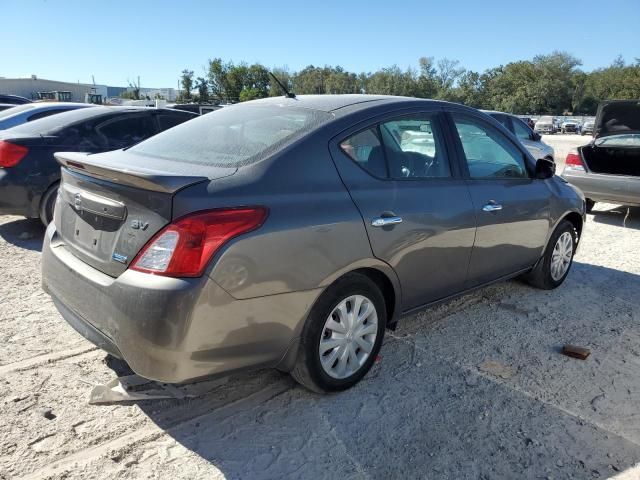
{"type": "Point", "coordinates": [28, 112]}
{"type": "Point", "coordinates": [545, 125]}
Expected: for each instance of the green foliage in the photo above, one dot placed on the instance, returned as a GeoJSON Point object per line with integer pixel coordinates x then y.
{"type": "Point", "coordinates": [551, 84]}
{"type": "Point", "coordinates": [186, 81]}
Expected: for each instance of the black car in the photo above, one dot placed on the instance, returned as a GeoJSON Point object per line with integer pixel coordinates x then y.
{"type": "Point", "coordinates": [29, 173]}
{"type": "Point", "coordinates": [13, 99]}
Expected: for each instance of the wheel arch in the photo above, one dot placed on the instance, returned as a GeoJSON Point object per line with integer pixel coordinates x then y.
{"type": "Point", "coordinates": [382, 275]}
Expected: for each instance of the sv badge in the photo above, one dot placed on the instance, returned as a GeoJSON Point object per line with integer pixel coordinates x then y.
{"type": "Point", "coordinates": [139, 225]}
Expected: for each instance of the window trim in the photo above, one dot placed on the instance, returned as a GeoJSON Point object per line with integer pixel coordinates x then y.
{"type": "Point", "coordinates": [462, 158]}
{"type": "Point", "coordinates": [374, 123]}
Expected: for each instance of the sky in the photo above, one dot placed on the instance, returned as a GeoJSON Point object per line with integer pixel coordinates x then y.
{"type": "Point", "coordinates": [117, 41]}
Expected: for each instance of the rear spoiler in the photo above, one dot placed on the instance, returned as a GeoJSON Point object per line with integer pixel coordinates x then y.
{"type": "Point", "coordinates": [147, 180]}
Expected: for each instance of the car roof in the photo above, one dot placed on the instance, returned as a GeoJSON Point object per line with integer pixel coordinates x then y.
{"type": "Point", "coordinates": [331, 103]}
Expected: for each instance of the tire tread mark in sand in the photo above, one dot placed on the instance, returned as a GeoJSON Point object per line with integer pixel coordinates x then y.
{"type": "Point", "coordinates": [151, 433]}
{"type": "Point", "coordinates": [521, 391]}
{"type": "Point", "coordinates": [46, 358]}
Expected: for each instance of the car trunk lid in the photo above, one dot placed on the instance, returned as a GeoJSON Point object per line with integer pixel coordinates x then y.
{"type": "Point", "coordinates": [616, 117]}
{"type": "Point", "coordinates": [110, 205]}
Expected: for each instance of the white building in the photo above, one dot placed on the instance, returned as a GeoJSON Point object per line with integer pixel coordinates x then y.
{"type": "Point", "coordinates": [29, 88]}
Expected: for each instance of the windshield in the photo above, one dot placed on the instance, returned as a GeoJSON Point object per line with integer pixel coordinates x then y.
{"type": "Point", "coordinates": [626, 140]}
{"type": "Point", "coordinates": [14, 110]}
{"type": "Point", "coordinates": [54, 123]}
{"type": "Point", "coordinates": [233, 136]}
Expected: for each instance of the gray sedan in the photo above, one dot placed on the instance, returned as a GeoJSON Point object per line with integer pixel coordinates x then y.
{"type": "Point", "coordinates": [608, 168]}
{"type": "Point", "coordinates": [291, 232]}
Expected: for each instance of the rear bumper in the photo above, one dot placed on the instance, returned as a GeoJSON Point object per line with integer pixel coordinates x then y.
{"type": "Point", "coordinates": [616, 189]}
{"type": "Point", "coordinates": [168, 329]}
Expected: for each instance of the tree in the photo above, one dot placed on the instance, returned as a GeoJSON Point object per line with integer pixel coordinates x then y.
{"type": "Point", "coordinates": [447, 73]}
{"type": "Point", "coordinates": [186, 81]}
{"type": "Point", "coordinates": [551, 84]}
{"type": "Point", "coordinates": [203, 89]}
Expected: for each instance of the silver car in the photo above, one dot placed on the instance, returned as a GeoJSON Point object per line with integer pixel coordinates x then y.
{"type": "Point", "coordinates": [608, 168]}
{"type": "Point", "coordinates": [291, 232]}
{"type": "Point", "coordinates": [545, 126]}
{"type": "Point", "coordinates": [531, 140]}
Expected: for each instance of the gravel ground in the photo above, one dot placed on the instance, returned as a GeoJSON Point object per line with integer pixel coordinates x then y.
{"type": "Point", "coordinates": [472, 389]}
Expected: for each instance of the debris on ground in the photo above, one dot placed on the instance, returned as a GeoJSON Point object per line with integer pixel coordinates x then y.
{"type": "Point", "coordinates": [576, 352]}
{"type": "Point", "coordinates": [496, 368]}
{"type": "Point", "coordinates": [132, 388]}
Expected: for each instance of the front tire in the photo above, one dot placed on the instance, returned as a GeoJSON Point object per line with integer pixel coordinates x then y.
{"type": "Point", "coordinates": [554, 266]}
{"type": "Point", "coordinates": [342, 335]}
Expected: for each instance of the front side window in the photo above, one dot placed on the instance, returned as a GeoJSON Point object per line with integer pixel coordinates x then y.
{"type": "Point", "coordinates": [521, 130]}
{"type": "Point", "coordinates": [409, 147]}
{"type": "Point", "coordinates": [489, 154]}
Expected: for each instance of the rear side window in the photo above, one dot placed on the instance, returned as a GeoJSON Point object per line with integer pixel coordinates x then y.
{"type": "Point", "coordinates": [489, 154]}
{"type": "Point", "coordinates": [234, 136]}
{"type": "Point", "coordinates": [44, 114]}
{"type": "Point", "coordinates": [127, 130]}
{"type": "Point", "coordinates": [170, 120]}
{"type": "Point", "coordinates": [409, 147]}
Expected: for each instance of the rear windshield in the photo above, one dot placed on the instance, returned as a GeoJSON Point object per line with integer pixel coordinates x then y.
{"type": "Point", "coordinates": [53, 123]}
{"type": "Point", "coordinates": [13, 110]}
{"type": "Point", "coordinates": [233, 136]}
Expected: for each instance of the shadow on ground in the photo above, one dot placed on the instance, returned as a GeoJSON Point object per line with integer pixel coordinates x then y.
{"type": "Point", "coordinates": [427, 410]}
{"type": "Point", "coordinates": [24, 233]}
{"type": "Point", "coordinates": [620, 216]}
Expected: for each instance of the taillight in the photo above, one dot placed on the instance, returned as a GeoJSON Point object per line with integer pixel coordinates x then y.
{"type": "Point", "coordinates": [184, 247]}
{"type": "Point", "coordinates": [573, 161]}
{"type": "Point", "coordinates": [11, 154]}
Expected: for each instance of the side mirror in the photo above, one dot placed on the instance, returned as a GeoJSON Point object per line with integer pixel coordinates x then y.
{"type": "Point", "coordinates": [536, 137]}
{"type": "Point", "coordinates": [545, 168]}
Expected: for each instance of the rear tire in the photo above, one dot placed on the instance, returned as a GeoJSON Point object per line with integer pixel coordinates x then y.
{"type": "Point", "coordinates": [351, 306]}
{"type": "Point", "coordinates": [589, 204]}
{"type": "Point", "coordinates": [554, 266]}
{"type": "Point", "coordinates": [47, 204]}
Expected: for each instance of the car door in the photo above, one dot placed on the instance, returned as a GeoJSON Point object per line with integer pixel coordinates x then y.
{"type": "Point", "coordinates": [512, 207]}
{"type": "Point", "coordinates": [415, 205]}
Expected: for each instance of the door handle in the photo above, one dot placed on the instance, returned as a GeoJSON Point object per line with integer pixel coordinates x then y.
{"type": "Point", "coordinates": [384, 221]}
{"type": "Point", "coordinates": [492, 207]}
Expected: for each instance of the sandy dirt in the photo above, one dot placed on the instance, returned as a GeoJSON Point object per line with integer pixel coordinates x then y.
{"type": "Point", "coordinates": [472, 389]}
